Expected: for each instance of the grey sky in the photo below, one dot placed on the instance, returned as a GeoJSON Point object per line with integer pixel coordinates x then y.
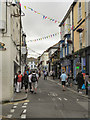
{"type": "Point", "coordinates": [36, 27]}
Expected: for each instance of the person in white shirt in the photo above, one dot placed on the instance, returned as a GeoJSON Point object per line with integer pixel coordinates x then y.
{"type": "Point", "coordinates": [30, 82]}
{"type": "Point", "coordinates": [34, 80]}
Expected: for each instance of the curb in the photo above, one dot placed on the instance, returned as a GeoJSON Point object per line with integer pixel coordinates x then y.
{"type": "Point", "coordinates": [15, 100]}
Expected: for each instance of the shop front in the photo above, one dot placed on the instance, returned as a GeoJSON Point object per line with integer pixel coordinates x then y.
{"type": "Point", "coordinates": [66, 65]}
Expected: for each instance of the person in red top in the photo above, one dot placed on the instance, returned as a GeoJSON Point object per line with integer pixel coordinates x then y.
{"type": "Point", "coordinates": [19, 82]}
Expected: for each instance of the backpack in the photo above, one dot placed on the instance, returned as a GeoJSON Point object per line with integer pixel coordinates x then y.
{"type": "Point", "coordinates": [34, 78]}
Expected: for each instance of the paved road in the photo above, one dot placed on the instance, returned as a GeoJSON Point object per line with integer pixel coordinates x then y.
{"type": "Point", "coordinates": [49, 102]}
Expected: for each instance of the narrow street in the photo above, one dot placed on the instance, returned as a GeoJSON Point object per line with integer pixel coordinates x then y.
{"type": "Point", "coordinates": [49, 102]}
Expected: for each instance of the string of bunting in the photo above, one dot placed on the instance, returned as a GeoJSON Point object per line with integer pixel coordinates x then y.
{"type": "Point", "coordinates": [52, 35]}
{"type": "Point", "coordinates": [43, 16]}
{"type": "Point", "coordinates": [49, 36]}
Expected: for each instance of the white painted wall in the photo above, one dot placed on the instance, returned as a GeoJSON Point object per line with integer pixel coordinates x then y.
{"type": "Point", "coordinates": [9, 56]}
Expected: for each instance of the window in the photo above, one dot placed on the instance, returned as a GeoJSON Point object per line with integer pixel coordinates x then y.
{"type": "Point", "coordinates": [70, 49]}
{"type": "Point", "coordinates": [80, 40]}
{"type": "Point", "coordinates": [79, 12]}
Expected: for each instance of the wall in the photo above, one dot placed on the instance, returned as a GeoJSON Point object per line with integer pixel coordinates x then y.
{"type": "Point", "coordinates": [9, 56]}
{"type": "Point", "coordinates": [76, 34]}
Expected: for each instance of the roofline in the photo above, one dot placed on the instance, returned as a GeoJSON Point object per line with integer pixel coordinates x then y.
{"type": "Point", "coordinates": [69, 10]}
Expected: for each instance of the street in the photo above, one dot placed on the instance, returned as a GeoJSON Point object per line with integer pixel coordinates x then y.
{"type": "Point", "coordinates": [49, 102]}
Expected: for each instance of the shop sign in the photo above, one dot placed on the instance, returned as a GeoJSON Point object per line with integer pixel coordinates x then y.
{"type": "Point", "coordinates": [23, 50]}
{"type": "Point", "coordinates": [77, 67]}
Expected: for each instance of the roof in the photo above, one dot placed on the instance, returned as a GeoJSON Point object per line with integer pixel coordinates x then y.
{"type": "Point", "coordinates": [52, 46]}
{"type": "Point", "coordinates": [69, 10]}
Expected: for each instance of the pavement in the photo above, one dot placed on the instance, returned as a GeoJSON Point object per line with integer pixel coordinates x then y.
{"type": "Point", "coordinates": [49, 102]}
{"type": "Point", "coordinates": [19, 96]}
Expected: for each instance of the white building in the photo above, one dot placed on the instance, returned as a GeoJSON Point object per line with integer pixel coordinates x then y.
{"type": "Point", "coordinates": [43, 61]}
{"type": "Point", "coordinates": [32, 63]}
{"type": "Point", "coordinates": [10, 34]}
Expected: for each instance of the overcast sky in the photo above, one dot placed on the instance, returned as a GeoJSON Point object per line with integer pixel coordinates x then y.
{"type": "Point", "coordinates": [36, 27]}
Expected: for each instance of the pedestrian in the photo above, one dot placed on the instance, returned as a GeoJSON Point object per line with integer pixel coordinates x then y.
{"type": "Point", "coordinates": [30, 82]}
{"type": "Point", "coordinates": [53, 74]}
{"type": "Point", "coordinates": [89, 85]}
{"type": "Point", "coordinates": [39, 73]}
{"type": "Point", "coordinates": [27, 71]}
{"type": "Point", "coordinates": [86, 82]}
{"type": "Point", "coordinates": [25, 79]}
{"type": "Point", "coordinates": [63, 79]}
{"type": "Point", "coordinates": [70, 79]}
{"type": "Point", "coordinates": [80, 80]}
{"type": "Point", "coordinates": [15, 82]}
{"type": "Point", "coordinates": [45, 75]}
{"type": "Point", "coordinates": [19, 82]}
{"type": "Point", "coordinates": [34, 80]}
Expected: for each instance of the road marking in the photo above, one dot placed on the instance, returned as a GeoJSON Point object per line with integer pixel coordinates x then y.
{"type": "Point", "coordinates": [24, 111]}
{"type": "Point", "coordinates": [14, 107]}
{"type": "Point", "coordinates": [72, 90]}
{"type": "Point", "coordinates": [77, 99]}
{"type": "Point", "coordinates": [15, 103]}
{"type": "Point", "coordinates": [9, 116]}
{"type": "Point", "coordinates": [24, 106]}
{"type": "Point", "coordinates": [65, 99]}
{"type": "Point", "coordinates": [59, 98]}
{"type": "Point", "coordinates": [39, 99]}
{"type": "Point", "coordinates": [53, 99]}
{"type": "Point", "coordinates": [25, 103]}
{"type": "Point", "coordinates": [12, 110]}
{"type": "Point", "coordinates": [23, 116]}
{"type": "Point", "coordinates": [59, 84]}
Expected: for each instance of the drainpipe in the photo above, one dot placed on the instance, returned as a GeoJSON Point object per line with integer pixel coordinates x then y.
{"type": "Point", "coordinates": [20, 37]}
{"type": "Point", "coordinates": [6, 19]}
{"type": "Point", "coordinates": [72, 61]}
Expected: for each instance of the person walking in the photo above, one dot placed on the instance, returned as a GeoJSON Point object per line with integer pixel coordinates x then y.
{"type": "Point", "coordinates": [30, 82]}
{"type": "Point", "coordinates": [63, 78]}
{"type": "Point", "coordinates": [15, 82]}
{"type": "Point", "coordinates": [80, 80]}
{"type": "Point", "coordinates": [25, 79]}
{"type": "Point", "coordinates": [53, 74]}
{"type": "Point", "coordinates": [39, 73]}
{"type": "Point", "coordinates": [19, 82]}
{"type": "Point", "coordinates": [45, 75]}
{"type": "Point", "coordinates": [86, 82]}
{"type": "Point", "coordinates": [34, 80]}
{"type": "Point", "coordinates": [70, 79]}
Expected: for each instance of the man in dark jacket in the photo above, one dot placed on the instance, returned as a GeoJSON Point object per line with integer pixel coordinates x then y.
{"type": "Point", "coordinates": [25, 78]}
{"type": "Point", "coordinates": [80, 80]}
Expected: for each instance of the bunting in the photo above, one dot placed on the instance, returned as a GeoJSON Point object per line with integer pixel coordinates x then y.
{"type": "Point", "coordinates": [43, 16]}
{"type": "Point", "coordinates": [46, 37]}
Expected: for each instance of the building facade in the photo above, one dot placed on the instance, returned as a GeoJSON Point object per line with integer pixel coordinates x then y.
{"type": "Point", "coordinates": [81, 40]}
{"type": "Point", "coordinates": [32, 63]}
{"type": "Point", "coordinates": [66, 41]}
{"type": "Point", "coordinates": [10, 34]}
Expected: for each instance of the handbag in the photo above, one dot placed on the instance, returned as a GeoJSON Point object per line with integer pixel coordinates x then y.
{"type": "Point", "coordinates": [83, 87]}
